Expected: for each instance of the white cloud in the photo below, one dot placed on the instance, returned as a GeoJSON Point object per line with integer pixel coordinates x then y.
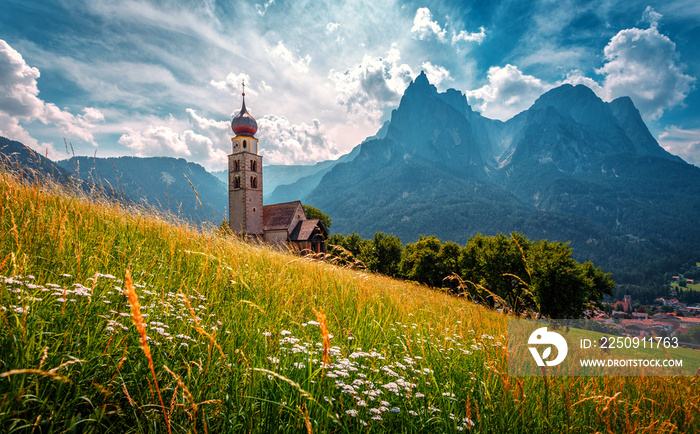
{"type": "Point", "coordinates": [425, 28]}
{"type": "Point", "coordinates": [465, 36]}
{"type": "Point", "coordinates": [282, 142]}
{"type": "Point", "coordinates": [375, 83]}
{"type": "Point", "coordinates": [262, 8]}
{"type": "Point", "coordinates": [507, 93]}
{"type": "Point", "coordinates": [576, 77]}
{"type": "Point", "coordinates": [208, 141]}
{"type": "Point", "coordinates": [642, 64]}
{"type": "Point", "coordinates": [331, 28]}
{"type": "Point", "coordinates": [156, 140]}
{"type": "Point", "coordinates": [301, 64]}
{"type": "Point", "coordinates": [18, 87]}
{"type": "Point", "coordinates": [651, 16]}
{"type": "Point", "coordinates": [436, 74]}
{"type": "Point", "coordinates": [20, 103]}
{"type": "Point", "coordinates": [682, 142]}
{"type": "Point", "coordinates": [233, 84]}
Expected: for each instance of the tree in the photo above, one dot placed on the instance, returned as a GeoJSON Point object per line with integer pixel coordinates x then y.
{"type": "Point", "coordinates": [692, 335]}
{"type": "Point", "coordinates": [315, 213]}
{"type": "Point", "coordinates": [383, 254]}
{"type": "Point", "coordinates": [348, 250]}
{"type": "Point", "coordinates": [520, 274]}
{"type": "Point", "coordinates": [561, 286]}
{"type": "Point", "coordinates": [419, 261]}
{"type": "Point", "coordinates": [496, 268]}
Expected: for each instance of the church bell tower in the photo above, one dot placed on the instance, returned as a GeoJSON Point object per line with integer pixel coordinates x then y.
{"type": "Point", "coordinates": [245, 193]}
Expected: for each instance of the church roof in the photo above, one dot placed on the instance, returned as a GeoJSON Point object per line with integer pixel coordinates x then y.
{"type": "Point", "coordinates": [306, 229]}
{"type": "Point", "coordinates": [280, 215]}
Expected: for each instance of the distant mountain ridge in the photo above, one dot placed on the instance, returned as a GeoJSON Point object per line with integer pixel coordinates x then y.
{"type": "Point", "coordinates": [183, 188]}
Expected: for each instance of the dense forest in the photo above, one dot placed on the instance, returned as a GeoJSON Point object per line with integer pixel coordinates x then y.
{"type": "Point", "coordinates": [510, 273]}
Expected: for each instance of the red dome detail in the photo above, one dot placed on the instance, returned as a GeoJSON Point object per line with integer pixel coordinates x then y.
{"type": "Point", "coordinates": [243, 124]}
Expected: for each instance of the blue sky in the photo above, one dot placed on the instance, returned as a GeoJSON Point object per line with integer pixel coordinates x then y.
{"type": "Point", "coordinates": [152, 78]}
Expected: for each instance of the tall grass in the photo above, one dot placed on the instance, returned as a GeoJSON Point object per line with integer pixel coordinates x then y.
{"type": "Point", "coordinates": [238, 333]}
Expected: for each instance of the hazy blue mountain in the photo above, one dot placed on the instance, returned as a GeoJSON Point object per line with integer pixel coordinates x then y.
{"type": "Point", "coordinates": [292, 182]}
{"type": "Point", "coordinates": [571, 168]}
{"type": "Point", "coordinates": [221, 175]}
{"type": "Point", "coordinates": [160, 181]}
{"type": "Point", "coordinates": [292, 188]}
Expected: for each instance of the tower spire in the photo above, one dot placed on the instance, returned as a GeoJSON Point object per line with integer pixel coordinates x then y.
{"type": "Point", "coordinates": [243, 83]}
{"type": "Point", "coordinates": [243, 124]}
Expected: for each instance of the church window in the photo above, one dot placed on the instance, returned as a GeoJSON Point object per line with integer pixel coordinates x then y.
{"type": "Point", "coordinates": [236, 182]}
{"type": "Point", "coordinates": [253, 182]}
{"type": "Point", "coordinates": [245, 144]}
{"type": "Point", "coordinates": [254, 166]}
{"type": "Point", "coordinates": [236, 166]}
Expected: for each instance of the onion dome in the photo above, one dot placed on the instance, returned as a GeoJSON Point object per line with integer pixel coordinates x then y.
{"type": "Point", "coordinates": [243, 124]}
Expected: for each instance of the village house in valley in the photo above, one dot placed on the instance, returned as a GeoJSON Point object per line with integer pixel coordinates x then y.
{"type": "Point", "coordinates": [282, 224]}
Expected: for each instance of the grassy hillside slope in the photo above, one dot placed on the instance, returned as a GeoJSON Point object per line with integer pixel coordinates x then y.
{"type": "Point", "coordinates": [236, 345]}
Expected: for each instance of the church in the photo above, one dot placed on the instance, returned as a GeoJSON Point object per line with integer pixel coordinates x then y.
{"type": "Point", "coordinates": [282, 224]}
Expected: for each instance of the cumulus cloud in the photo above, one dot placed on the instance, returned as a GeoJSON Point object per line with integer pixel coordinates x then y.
{"type": "Point", "coordinates": [507, 93]}
{"type": "Point", "coordinates": [373, 84]}
{"type": "Point", "coordinates": [639, 63]}
{"type": "Point", "coordinates": [425, 28]}
{"type": "Point", "coordinates": [282, 142]}
{"type": "Point", "coordinates": [651, 16]}
{"type": "Point", "coordinates": [577, 77]}
{"type": "Point", "coordinates": [233, 84]}
{"type": "Point", "coordinates": [301, 64]}
{"type": "Point", "coordinates": [19, 103]}
{"type": "Point", "coordinates": [156, 140]}
{"type": "Point", "coordinates": [682, 142]}
{"type": "Point", "coordinates": [465, 36]}
{"type": "Point", "coordinates": [643, 65]}
{"type": "Point", "coordinates": [436, 74]}
{"type": "Point", "coordinates": [208, 141]}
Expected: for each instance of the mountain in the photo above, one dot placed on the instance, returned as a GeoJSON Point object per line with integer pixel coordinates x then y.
{"type": "Point", "coordinates": [302, 181]}
{"type": "Point", "coordinates": [185, 189]}
{"type": "Point", "coordinates": [570, 168]}
{"type": "Point", "coordinates": [29, 162]}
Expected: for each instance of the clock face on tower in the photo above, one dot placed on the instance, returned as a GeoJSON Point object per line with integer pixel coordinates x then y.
{"type": "Point", "coordinates": [236, 146]}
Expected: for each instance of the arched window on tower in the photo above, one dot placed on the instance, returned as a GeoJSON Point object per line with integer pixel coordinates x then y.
{"type": "Point", "coordinates": [236, 182]}
{"type": "Point", "coordinates": [254, 166]}
{"type": "Point", "coordinates": [253, 182]}
{"type": "Point", "coordinates": [236, 166]}
{"type": "Point", "coordinates": [245, 144]}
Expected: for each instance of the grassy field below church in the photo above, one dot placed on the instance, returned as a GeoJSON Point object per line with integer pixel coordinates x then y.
{"type": "Point", "coordinates": [237, 338]}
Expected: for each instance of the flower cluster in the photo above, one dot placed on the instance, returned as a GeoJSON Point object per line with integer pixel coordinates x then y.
{"type": "Point", "coordinates": [375, 385]}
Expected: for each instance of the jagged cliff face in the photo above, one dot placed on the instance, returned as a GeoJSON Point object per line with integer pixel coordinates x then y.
{"type": "Point", "coordinates": [568, 127]}
{"type": "Point", "coordinates": [571, 168]}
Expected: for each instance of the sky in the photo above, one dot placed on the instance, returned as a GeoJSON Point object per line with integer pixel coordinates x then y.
{"type": "Point", "coordinates": [163, 78]}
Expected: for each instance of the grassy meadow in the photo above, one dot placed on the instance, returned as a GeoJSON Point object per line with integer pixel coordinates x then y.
{"type": "Point", "coordinates": [116, 320]}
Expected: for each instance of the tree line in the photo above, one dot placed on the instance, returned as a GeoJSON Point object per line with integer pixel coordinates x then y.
{"type": "Point", "coordinates": [504, 272]}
